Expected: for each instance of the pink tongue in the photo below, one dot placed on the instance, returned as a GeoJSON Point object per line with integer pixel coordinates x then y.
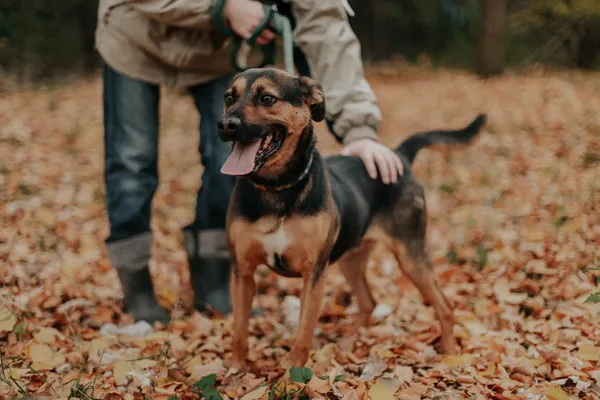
{"type": "Point", "coordinates": [241, 159]}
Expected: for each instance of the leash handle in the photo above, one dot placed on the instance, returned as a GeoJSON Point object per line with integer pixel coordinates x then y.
{"type": "Point", "coordinates": [280, 24]}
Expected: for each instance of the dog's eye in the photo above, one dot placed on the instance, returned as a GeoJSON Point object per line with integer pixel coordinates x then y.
{"type": "Point", "coordinates": [229, 99]}
{"type": "Point", "coordinates": [268, 100]}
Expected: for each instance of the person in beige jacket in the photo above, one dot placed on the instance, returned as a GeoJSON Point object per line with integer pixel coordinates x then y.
{"type": "Point", "coordinates": [149, 43]}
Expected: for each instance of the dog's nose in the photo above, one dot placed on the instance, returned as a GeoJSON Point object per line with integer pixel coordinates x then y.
{"type": "Point", "coordinates": [230, 125]}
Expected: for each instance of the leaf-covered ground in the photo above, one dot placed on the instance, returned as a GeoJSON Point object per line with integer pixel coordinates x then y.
{"type": "Point", "coordinates": [514, 233]}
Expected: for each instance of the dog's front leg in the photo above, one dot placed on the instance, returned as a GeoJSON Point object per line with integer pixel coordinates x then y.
{"type": "Point", "coordinates": [243, 288]}
{"type": "Point", "coordinates": [312, 297]}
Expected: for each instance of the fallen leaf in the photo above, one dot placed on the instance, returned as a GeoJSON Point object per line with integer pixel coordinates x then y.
{"type": "Point", "coordinates": [46, 217]}
{"type": "Point", "coordinates": [7, 320]}
{"type": "Point", "coordinates": [202, 370]}
{"type": "Point", "coordinates": [202, 324]}
{"type": "Point", "coordinates": [120, 370]}
{"type": "Point", "coordinates": [379, 391]}
{"type": "Point", "coordinates": [404, 374]}
{"type": "Point", "coordinates": [47, 335]}
{"type": "Point", "coordinates": [374, 368]}
{"type": "Point", "coordinates": [381, 311]}
{"type": "Point", "coordinates": [123, 368]}
{"type": "Point", "coordinates": [43, 358]}
{"type": "Point", "coordinates": [588, 352]}
{"type": "Point", "coordinates": [556, 393]}
{"type": "Point", "coordinates": [319, 385]}
{"type": "Point", "coordinates": [15, 373]}
{"type": "Point", "coordinates": [256, 393]}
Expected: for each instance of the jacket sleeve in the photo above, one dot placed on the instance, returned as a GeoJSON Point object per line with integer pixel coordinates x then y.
{"type": "Point", "coordinates": [333, 53]}
{"type": "Point", "coordinates": [192, 14]}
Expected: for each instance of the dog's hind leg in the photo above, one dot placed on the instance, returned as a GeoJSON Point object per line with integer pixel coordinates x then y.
{"type": "Point", "coordinates": [407, 229]}
{"type": "Point", "coordinates": [353, 265]}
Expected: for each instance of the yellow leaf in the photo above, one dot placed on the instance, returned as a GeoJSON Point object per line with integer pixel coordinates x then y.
{"type": "Point", "coordinates": [573, 225]}
{"type": "Point", "coordinates": [474, 326]}
{"type": "Point", "coordinates": [516, 298]}
{"type": "Point", "coordinates": [145, 363]}
{"type": "Point", "coordinates": [70, 270]}
{"type": "Point", "coordinates": [536, 362]}
{"type": "Point", "coordinates": [196, 360]}
{"type": "Point", "coordinates": [46, 217]}
{"type": "Point", "coordinates": [491, 369]}
{"type": "Point", "coordinates": [588, 352]}
{"type": "Point", "coordinates": [256, 393]}
{"type": "Point", "coordinates": [382, 353]}
{"type": "Point", "coordinates": [319, 385]}
{"type": "Point", "coordinates": [40, 353]}
{"type": "Point", "coordinates": [532, 235]}
{"type": "Point", "coordinates": [177, 343]}
{"type": "Point", "coordinates": [15, 373]}
{"type": "Point", "coordinates": [47, 335]}
{"type": "Point", "coordinates": [380, 392]}
{"type": "Point", "coordinates": [201, 370]}
{"type": "Point", "coordinates": [120, 370]}
{"type": "Point", "coordinates": [99, 344]}
{"type": "Point", "coordinates": [557, 393]}
{"type": "Point", "coordinates": [460, 332]}
{"type": "Point", "coordinates": [169, 297]}
{"type": "Point", "coordinates": [7, 320]}
{"type": "Point", "coordinates": [43, 358]}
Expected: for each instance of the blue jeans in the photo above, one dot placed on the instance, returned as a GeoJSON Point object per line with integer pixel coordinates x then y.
{"type": "Point", "coordinates": [131, 110]}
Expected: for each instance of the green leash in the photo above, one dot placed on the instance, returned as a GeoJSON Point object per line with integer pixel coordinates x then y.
{"type": "Point", "coordinates": [278, 23]}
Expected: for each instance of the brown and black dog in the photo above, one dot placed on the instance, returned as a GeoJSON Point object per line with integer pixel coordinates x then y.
{"type": "Point", "coordinates": [297, 212]}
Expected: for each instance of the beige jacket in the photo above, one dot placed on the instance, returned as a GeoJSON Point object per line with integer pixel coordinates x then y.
{"type": "Point", "coordinates": [172, 42]}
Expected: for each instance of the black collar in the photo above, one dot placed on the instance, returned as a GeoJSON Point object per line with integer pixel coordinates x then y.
{"type": "Point", "coordinates": [283, 186]}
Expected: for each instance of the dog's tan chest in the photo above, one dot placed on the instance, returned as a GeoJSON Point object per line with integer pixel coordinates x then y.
{"type": "Point", "coordinates": [291, 243]}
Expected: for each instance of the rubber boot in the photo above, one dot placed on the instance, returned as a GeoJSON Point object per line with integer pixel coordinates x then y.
{"type": "Point", "coordinates": [130, 258]}
{"type": "Point", "coordinates": [210, 267]}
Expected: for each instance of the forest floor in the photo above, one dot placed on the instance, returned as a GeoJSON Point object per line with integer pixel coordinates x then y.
{"type": "Point", "coordinates": [514, 233]}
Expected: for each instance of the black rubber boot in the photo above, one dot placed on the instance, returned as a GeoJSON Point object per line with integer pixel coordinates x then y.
{"type": "Point", "coordinates": [130, 258]}
{"type": "Point", "coordinates": [210, 266]}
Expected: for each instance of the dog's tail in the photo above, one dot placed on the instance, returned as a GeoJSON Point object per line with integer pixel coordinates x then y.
{"type": "Point", "coordinates": [441, 140]}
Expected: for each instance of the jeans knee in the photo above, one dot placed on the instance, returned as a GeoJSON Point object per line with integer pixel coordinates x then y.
{"type": "Point", "coordinates": [129, 191]}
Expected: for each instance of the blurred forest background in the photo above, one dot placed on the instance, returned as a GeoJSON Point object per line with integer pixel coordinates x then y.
{"type": "Point", "coordinates": [49, 40]}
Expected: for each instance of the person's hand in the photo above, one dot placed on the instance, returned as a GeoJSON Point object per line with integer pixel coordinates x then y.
{"type": "Point", "coordinates": [376, 156]}
{"type": "Point", "coordinates": [244, 16]}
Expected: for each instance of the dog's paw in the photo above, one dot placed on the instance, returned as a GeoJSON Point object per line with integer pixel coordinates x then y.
{"type": "Point", "coordinates": [294, 359]}
{"type": "Point", "coordinates": [242, 366]}
{"type": "Point", "coordinates": [449, 345]}
{"type": "Point", "coordinates": [286, 363]}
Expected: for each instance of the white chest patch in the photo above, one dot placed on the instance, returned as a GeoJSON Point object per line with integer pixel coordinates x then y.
{"type": "Point", "coordinates": [275, 242]}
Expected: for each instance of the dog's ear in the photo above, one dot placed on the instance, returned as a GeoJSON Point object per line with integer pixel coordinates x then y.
{"type": "Point", "coordinates": [314, 98]}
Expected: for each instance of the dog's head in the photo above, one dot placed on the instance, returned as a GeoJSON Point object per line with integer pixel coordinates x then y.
{"type": "Point", "coordinates": [267, 111]}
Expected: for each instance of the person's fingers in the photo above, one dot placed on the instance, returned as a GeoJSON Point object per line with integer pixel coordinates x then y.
{"type": "Point", "coordinates": [392, 166]}
{"type": "Point", "coordinates": [399, 165]}
{"type": "Point", "coordinates": [382, 166]}
{"type": "Point", "coordinates": [369, 162]}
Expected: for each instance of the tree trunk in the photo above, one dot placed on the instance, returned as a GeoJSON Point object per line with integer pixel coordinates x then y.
{"type": "Point", "coordinates": [490, 51]}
